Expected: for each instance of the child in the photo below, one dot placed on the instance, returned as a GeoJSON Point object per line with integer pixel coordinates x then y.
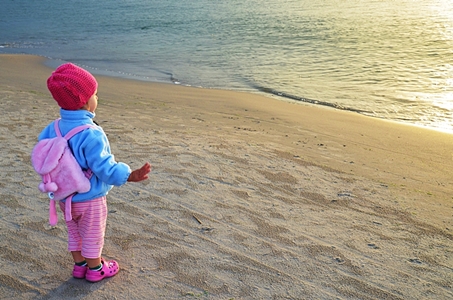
{"type": "Point", "coordinates": [75, 91]}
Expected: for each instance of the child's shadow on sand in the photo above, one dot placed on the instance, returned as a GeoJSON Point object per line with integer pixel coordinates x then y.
{"type": "Point", "coordinates": [74, 289]}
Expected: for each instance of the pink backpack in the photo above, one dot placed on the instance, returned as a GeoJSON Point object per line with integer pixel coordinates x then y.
{"type": "Point", "coordinates": [62, 176]}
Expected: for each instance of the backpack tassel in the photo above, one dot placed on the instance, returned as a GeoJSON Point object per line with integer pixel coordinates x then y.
{"type": "Point", "coordinates": [67, 208]}
{"type": "Point", "coordinates": [53, 217]}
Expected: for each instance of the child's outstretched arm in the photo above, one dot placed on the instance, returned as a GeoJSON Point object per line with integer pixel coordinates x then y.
{"type": "Point", "coordinates": [140, 174]}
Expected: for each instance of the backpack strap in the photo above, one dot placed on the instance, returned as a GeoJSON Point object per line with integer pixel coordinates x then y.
{"type": "Point", "coordinates": [76, 130]}
{"type": "Point", "coordinates": [72, 132]}
{"type": "Point", "coordinates": [88, 173]}
{"type": "Point", "coordinates": [57, 128]}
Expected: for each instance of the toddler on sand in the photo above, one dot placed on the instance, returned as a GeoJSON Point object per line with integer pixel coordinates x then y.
{"type": "Point", "coordinates": [75, 91]}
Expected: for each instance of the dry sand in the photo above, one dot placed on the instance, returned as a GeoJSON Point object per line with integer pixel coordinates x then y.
{"type": "Point", "coordinates": [250, 198]}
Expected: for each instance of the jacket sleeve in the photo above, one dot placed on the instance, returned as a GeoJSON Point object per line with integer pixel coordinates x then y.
{"type": "Point", "coordinates": [47, 132]}
{"type": "Point", "coordinates": [98, 157]}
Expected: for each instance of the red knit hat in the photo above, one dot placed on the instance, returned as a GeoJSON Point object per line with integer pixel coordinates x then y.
{"type": "Point", "coordinates": [71, 86]}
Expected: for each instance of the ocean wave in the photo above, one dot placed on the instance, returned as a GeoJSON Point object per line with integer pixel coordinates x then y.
{"type": "Point", "coordinates": [311, 101]}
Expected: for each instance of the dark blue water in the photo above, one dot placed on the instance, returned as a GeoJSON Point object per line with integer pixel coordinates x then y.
{"type": "Point", "coordinates": [382, 58]}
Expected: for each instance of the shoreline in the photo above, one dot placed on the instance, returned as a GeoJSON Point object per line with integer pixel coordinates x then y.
{"type": "Point", "coordinates": [250, 197]}
{"type": "Point", "coordinates": [254, 89]}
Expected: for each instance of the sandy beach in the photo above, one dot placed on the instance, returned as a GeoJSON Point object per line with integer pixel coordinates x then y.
{"type": "Point", "coordinates": [249, 198]}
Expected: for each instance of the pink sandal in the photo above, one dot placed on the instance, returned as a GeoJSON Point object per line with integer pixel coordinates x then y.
{"type": "Point", "coordinates": [79, 271]}
{"type": "Point", "coordinates": [109, 269]}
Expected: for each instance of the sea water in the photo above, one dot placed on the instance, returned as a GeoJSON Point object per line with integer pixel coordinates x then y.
{"type": "Point", "coordinates": [382, 58]}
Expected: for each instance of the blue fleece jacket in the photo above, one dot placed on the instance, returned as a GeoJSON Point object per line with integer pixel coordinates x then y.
{"type": "Point", "coordinates": [91, 149]}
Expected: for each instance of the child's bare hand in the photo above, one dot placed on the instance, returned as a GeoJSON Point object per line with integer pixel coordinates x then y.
{"type": "Point", "coordinates": [140, 174]}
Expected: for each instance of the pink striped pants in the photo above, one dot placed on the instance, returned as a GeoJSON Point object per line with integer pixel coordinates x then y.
{"type": "Point", "coordinates": [86, 230]}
